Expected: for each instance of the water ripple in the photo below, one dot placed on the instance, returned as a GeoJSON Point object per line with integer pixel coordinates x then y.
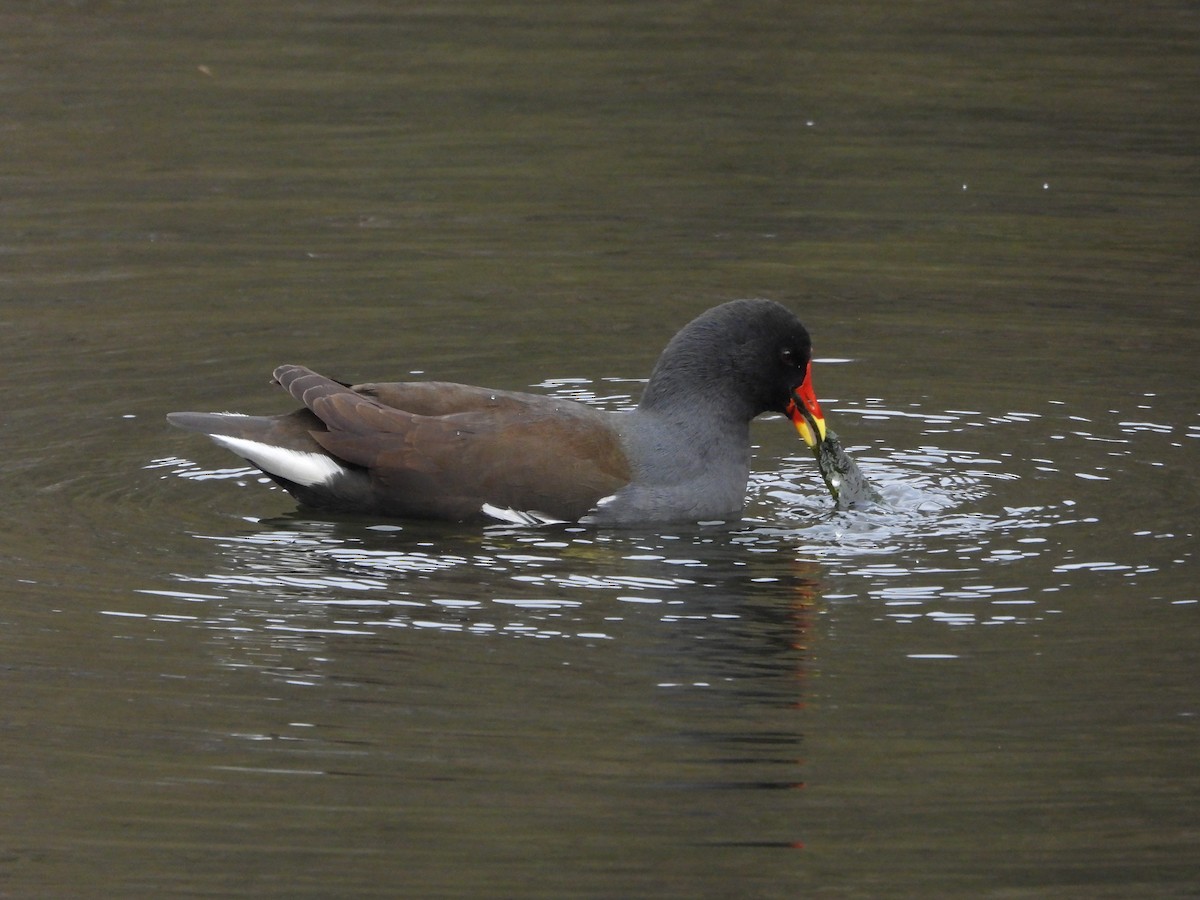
{"type": "Point", "coordinates": [979, 527]}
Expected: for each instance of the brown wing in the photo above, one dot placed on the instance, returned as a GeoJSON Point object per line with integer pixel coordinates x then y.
{"type": "Point", "coordinates": [460, 447]}
{"type": "Point", "coordinates": [443, 398]}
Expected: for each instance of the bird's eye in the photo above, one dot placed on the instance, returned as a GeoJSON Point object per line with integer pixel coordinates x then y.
{"type": "Point", "coordinates": [788, 357]}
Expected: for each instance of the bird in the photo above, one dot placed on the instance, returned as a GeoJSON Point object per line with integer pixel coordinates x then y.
{"type": "Point", "coordinates": [444, 451]}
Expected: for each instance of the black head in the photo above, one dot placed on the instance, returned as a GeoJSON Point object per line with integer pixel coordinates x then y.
{"type": "Point", "coordinates": [741, 359]}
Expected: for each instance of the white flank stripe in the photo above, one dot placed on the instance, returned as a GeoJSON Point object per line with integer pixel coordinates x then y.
{"type": "Point", "coordinates": [519, 516]}
{"type": "Point", "coordinates": [299, 466]}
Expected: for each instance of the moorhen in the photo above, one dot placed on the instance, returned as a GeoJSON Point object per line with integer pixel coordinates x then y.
{"type": "Point", "coordinates": [436, 450]}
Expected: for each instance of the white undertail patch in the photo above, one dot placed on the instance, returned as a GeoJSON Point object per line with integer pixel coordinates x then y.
{"type": "Point", "coordinates": [299, 466]}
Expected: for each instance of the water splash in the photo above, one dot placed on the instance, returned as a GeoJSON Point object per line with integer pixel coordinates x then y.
{"type": "Point", "coordinates": [985, 518]}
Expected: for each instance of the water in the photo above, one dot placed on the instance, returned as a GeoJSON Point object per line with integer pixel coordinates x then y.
{"type": "Point", "coordinates": [984, 685]}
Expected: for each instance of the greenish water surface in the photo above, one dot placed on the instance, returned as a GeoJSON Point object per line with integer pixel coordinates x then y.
{"type": "Point", "coordinates": [986, 216]}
